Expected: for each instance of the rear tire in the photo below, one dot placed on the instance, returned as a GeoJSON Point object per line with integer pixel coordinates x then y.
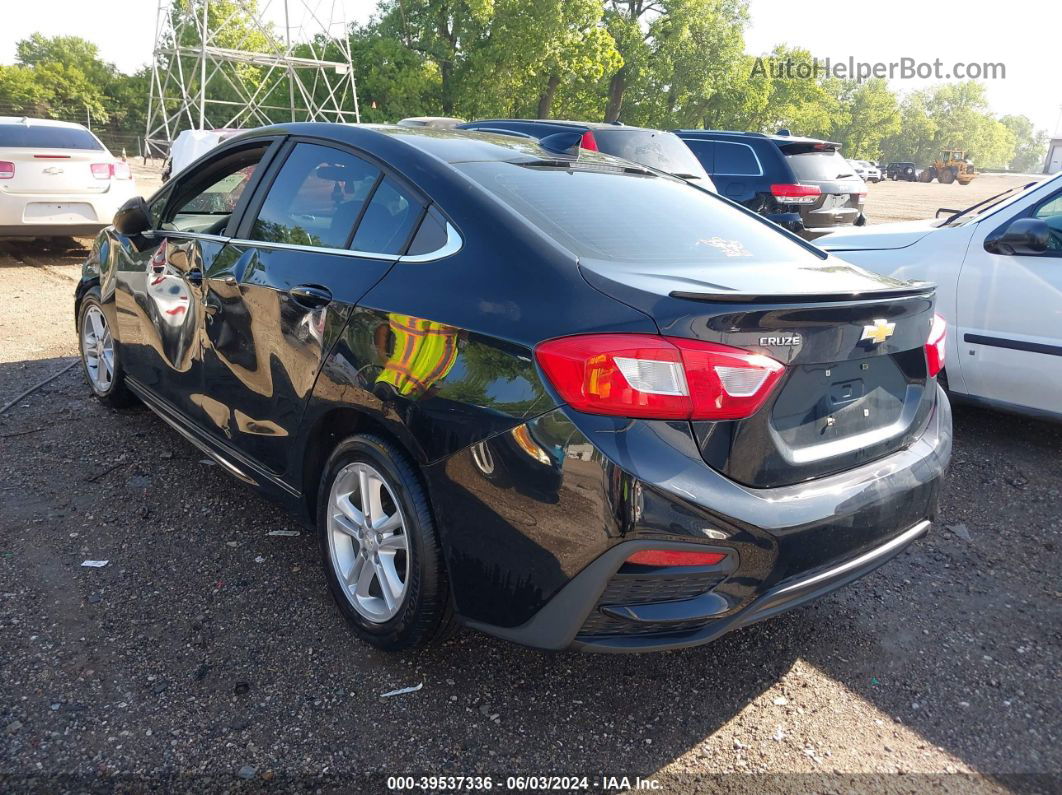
{"type": "Point", "coordinates": [100, 359]}
{"type": "Point", "coordinates": [385, 572]}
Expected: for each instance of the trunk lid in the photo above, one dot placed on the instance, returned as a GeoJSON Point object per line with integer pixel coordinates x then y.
{"type": "Point", "coordinates": [855, 387]}
{"type": "Point", "coordinates": [41, 171]}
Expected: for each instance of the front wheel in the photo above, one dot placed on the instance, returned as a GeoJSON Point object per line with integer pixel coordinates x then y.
{"type": "Point", "coordinates": [99, 353]}
{"type": "Point", "coordinates": [379, 546]}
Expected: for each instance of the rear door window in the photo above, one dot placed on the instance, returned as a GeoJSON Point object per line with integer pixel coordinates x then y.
{"type": "Point", "coordinates": [316, 199]}
{"type": "Point", "coordinates": [431, 236]}
{"type": "Point", "coordinates": [389, 220]}
{"type": "Point", "coordinates": [705, 153]}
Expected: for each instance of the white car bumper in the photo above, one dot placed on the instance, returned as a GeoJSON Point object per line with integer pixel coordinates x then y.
{"type": "Point", "coordinates": [42, 215]}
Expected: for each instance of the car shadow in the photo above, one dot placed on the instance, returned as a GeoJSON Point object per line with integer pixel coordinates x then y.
{"type": "Point", "coordinates": [220, 638]}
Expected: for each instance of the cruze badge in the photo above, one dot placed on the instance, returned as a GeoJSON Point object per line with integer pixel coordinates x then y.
{"type": "Point", "coordinates": [784, 339]}
{"type": "Point", "coordinates": [878, 331]}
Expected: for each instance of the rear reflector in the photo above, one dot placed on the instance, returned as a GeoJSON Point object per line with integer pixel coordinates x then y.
{"type": "Point", "coordinates": [796, 193]}
{"type": "Point", "coordinates": [7, 169]}
{"type": "Point", "coordinates": [654, 377]}
{"type": "Point", "coordinates": [935, 346]}
{"type": "Point", "coordinates": [675, 557]}
{"type": "Point", "coordinates": [588, 142]}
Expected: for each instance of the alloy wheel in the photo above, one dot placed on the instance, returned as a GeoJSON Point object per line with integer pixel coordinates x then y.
{"type": "Point", "coordinates": [368, 543]}
{"type": "Point", "coordinates": [97, 349]}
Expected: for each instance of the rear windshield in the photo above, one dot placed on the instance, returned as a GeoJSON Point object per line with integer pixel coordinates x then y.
{"type": "Point", "coordinates": [660, 150]}
{"type": "Point", "coordinates": [819, 165]}
{"type": "Point", "coordinates": [40, 137]}
{"type": "Point", "coordinates": [610, 215]}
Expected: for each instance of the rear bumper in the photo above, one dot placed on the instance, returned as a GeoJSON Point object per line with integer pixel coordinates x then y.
{"type": "Point", "coordinates": [786, 545]}
{"type": "Point", "coordinates": [77, 215]}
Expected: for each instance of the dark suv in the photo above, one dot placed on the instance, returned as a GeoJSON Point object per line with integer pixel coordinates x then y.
{"type": "Point", "coordinates": [654, 148]}
{"type": "Point", "coordinates": [905, 170]}
{"type": "Point", "coordinates": [803, 184]}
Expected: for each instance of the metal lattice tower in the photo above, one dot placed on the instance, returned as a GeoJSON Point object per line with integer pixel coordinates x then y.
{"type": "Point", "coordinates": [212, 71]}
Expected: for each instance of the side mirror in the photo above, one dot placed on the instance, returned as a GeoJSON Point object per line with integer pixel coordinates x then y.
{"type": "Point", "coordinates": [133, 217]}
{"type": "Point", "coordinates": [1024, 236]}
{"type": "Point", "coordinates": [791, 221]}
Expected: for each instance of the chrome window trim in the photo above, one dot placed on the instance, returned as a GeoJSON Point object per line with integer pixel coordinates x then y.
{"type": "Point", "coordinates": [452, 245]}
{"type": "Point", "coordinates": [239, 241]}
{"type": "Point", "coordinates": [180, 235]}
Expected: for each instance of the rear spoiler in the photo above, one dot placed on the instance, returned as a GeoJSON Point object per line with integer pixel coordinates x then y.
{"type": "Point", "coordinates": [803, 147]}
{"type": "Point", "coordinates": [916, 289]}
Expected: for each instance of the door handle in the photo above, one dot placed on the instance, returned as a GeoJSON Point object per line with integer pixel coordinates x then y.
{"type": "Point", "coordinates": [310, 295]}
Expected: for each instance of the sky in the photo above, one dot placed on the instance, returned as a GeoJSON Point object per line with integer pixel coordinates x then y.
{"type": "Point", "coordinates": [1021, 34]}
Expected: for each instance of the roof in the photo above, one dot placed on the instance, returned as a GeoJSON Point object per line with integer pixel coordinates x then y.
{"type": "Point", "coordinates": [40, 122]}
{"type": "Point", "coordinates": [445, 122]}
{"type": "Point", "coordinates": [590, 125]}
{"type": "Point", "coordinates": [450, 146]}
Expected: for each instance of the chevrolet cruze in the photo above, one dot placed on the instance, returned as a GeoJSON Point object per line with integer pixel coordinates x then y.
{"type": "Point", "coordinates": [547, 393]}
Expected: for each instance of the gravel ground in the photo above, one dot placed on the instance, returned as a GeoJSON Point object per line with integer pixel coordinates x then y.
{"type": "Point", "coordinates": [207, 654]}
{"type": "Point", "coordinates": [911, 201]}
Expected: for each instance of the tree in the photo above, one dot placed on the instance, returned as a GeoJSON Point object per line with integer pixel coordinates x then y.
{"type": "Point", "coordinates": [951, 116]}
{"type": "Point", "coordinates": [443, 31]}
{"type": "Point", "coordinates": [58, 77]}
{"type": "Point", "coordinates": [393, 80]}
{"type": "Point", "coordinates": [1030, 144]}
{"type": "Point", "coordinates": [532, 51]}
{"type": "Point", "coordinates": [687, 46]}
{"type": "Point", "coordinates": [868, 114]}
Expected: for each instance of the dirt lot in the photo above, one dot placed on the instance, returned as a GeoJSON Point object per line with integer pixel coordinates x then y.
{"type": "Point", "coordinates": [910, 201]}
{"type": "Point", "coordinates": [207, 652]}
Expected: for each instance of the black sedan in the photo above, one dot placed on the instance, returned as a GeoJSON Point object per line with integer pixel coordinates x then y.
{"type": "Point", "coordinates": [564, 399]}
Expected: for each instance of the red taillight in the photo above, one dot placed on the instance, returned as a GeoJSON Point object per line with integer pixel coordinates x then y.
{"type": "Point", "coordinates": [588, 141]}
{"type": "Point", "coordinates": [119, 170]}
{"type": "Point", "coordinates": [795, 193]}
{"type": "Point", "coordinates": [51, 157]}
{"type": "Point", "coordinates": [675, 557]}
{"type": "Point", "coordinates": [7, 169]}
{"type": "Point", "coordinates": [938, 335]}
{"type": "Point", "coordinates": [652, 377]}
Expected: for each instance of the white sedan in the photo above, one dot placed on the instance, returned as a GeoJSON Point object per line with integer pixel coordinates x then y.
{"type": "Point", "coordinates": [998, 270]}
{"type": "Point", "coordinates": [56, 179]}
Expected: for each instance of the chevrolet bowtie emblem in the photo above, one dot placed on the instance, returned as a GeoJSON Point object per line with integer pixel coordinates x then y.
{"type": "Point", "coordinates": [878, 331]}
{"type": "Point", "coordinates": [53, 170]}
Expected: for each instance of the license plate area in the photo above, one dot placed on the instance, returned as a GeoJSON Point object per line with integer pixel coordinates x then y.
{"type": "Point", "coordinates": [59, 213]}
